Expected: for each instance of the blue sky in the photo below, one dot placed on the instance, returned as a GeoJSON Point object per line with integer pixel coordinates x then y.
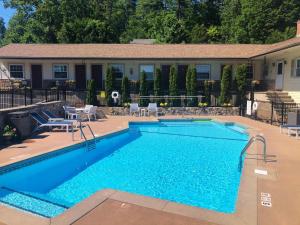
{"type": "Point", "coordinates": [6, 14]}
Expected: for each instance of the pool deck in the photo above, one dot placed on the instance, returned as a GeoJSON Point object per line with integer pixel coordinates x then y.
{"type": "Point", "coordinates": [114, 207]}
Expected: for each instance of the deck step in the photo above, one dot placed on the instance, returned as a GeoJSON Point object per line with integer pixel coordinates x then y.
{"type": "Point", "coordinates": [28, 202]}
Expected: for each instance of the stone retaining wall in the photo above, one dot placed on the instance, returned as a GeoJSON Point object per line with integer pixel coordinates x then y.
{"type": "Point", "coordinates": [210, 111]}
{"type": "Point", "coordinates": [54, 107]}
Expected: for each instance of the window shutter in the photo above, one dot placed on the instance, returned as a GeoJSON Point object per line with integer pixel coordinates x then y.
{"type": "Point", "coordinates": [293, 68]}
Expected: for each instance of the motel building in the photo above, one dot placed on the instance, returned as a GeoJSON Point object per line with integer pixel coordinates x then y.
{"type": "Point", "coordinates": [276, 66]}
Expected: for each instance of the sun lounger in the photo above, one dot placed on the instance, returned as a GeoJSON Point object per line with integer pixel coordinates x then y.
{"type": "Point", "coordinates": [52, 118]}
{"type": "Point", "coordinates": [290, 129]}
{"type": "Point", "coordinates": [67, 125]}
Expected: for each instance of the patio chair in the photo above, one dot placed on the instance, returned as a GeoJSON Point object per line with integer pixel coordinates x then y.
{"type": "Point", "coordinates": [152, 108]}
{"type": "Point", "coordinates": [90, 111]}
{"type": "Point", "coordinates": [70, 112]}
{"type": "Point", "coordinates": [42, 122]}
{"type": "Point", "coordinates": [134, 108]}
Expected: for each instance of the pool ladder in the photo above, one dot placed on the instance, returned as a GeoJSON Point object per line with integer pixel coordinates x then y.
{"type": "Point", "coordinates": [259, 138]}
{"type": "Point", "coordinates": [90, 144]}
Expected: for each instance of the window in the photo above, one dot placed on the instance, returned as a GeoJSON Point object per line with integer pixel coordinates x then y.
{"type": "Point", "coordinates": [118, 70]}
{"type": "Point", "coordinates": [297, 68]}
{"type": "Point", "coordinates": [149, 70]}
{"type": "Point", "coordinates": [203, 72]}
{"type": "Point", "coordinates": [279, 68]}
{"type": "Point", "coordinates": [16, 70]}
{"type": "Point", "coordinates": [60, 71]}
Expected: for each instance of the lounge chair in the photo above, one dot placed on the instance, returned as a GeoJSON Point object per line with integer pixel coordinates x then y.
{"type": "Point", "coordinates": [42, 122]}
{"type": "Point", "coordinates": [152, 108]}
{"type": "Point", "coordinates": [290, 129]}
{"type": "Point", "coordinates": [52, 118]}
{"type": "Point", "coordinates": [134, 108]}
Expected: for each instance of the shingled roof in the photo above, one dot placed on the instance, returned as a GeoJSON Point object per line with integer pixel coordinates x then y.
{"type": "Point", "coordinates": [141, 51]}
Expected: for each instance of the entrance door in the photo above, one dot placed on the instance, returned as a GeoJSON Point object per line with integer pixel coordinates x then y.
{"type": "Point", "coordinates": [97, 75]}
{"type": "Point", "coordinates": [182, 70]}
{"type": "Point", "coordinates": [36, 76]}
{"type": "Point", "coordinates": [279, 75]}
{"type": "Point", "coordinates": [80, 77]}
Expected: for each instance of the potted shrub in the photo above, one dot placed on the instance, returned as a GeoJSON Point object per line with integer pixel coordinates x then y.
{"type": "Point", "coordinates": [9, 134]}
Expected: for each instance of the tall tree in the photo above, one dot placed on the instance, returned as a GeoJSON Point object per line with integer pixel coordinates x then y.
{"type": "Point", "coordinates": [125, 90]}
{"type": "Point", "coordinates": [2, 30]}
{"type": "Point", "coordinates": [241, 82]}
{"type": "Point", "coordinates": [143, 88]}
{"type": "Point", "coordinates": [109, 85]}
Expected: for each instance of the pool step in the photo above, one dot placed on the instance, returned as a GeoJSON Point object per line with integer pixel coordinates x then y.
{"type": "Point", "coordinates": [31, 203]}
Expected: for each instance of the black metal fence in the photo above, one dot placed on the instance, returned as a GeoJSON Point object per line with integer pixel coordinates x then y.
{"type": "Point", "coordinates": [275, 113]}
{"type": "Point", "coordinates": [22, 97]}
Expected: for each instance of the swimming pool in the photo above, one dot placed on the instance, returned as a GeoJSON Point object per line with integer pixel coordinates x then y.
{"type": "Point", "coordinates": [189, 162]}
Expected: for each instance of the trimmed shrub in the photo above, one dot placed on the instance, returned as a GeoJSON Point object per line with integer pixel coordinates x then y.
{"type": "Point", "coordinates": [91, 97]}
{"type": "Point", "coordinates": [207, 92]}
{"type": "Point", "coordinates": [125, 90]}
{"type": "Point", "coordinates": [193, 87]}
{"type": "Point", "coordinates": [241, 83]}
{"type": "Point", "coordinates": [143, 89]}
{"type": "Point", "coordinates": [225, 95]}
{"type": "Point", "coordinates": [157, 84]}
{"type": "Point", "coordinates": [109, 86]}
{"type": "Point", "coordinates": [173, 86]}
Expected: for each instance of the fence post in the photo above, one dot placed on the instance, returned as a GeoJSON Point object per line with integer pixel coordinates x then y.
{"type": "Point", "coordinates": [272, 112]}
{"type": "Point", "coordinates": [282, 111]}
{"type": "Point", "coordinates": [25, 96]}
{"type": "Point", "coordinates": [46, 95]}
{"type": "Point", "coordinates": [31, 96]}
{"type": "Point", "coordinates": [12, 98]}
{"type": "Point", "coordinates": [57, 94]}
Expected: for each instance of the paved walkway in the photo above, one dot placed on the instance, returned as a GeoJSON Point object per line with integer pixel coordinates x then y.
{"type": "Point", "coordinates": [283, 182]}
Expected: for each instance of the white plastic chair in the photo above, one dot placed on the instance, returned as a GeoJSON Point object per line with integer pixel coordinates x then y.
{"type": "Point", "coordinates": [91, 112]}
{"type": "Point", "coordinates": [152, 108]}
{"type": "Point", "coordinates": [134, 108]}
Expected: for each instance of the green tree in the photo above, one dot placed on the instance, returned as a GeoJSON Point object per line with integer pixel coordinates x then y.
{"type": "Point", "coordinates": [225, 95]}
{"type": "Point", "coordinates": [2, 30]}
{"type": "Point", "coordinates": [157, 84]}
{"type": "Point", "coordinates": [109, 85]}
{"type": "Point", "coordinates": [173, 86]}
{"type": "Point", "coordinates": [143, 89]}
{"type": "Point", "coordinates": [91, 97]}
{"type": "Point", "coordinates": [125, 89]}
{"type": "Point", "coordinates": [241, 82]}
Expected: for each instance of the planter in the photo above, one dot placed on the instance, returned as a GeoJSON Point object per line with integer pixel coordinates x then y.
{"type": "Point", "coordinates": [8, 139]}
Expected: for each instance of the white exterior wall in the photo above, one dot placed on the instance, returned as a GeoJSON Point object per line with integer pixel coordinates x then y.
{"type": "Point", "coordinates": [129, 65]}
{"type": "Point", "coordinates": [290, 83]}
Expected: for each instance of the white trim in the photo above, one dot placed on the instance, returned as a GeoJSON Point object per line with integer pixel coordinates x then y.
{"type": "Point", "coordinates": [60, 64]}
{"type": "Point", "coordinates": [16, 64]}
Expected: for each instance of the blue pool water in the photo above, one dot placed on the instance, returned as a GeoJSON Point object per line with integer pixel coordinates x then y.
{"type": "Point", "coordinates": [191, 162]}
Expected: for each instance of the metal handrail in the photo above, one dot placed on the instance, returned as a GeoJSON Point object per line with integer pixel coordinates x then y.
{"type": "Point", "coordinates": [82, 133]}
{"type": "Point", "coordinates": [252, 140]}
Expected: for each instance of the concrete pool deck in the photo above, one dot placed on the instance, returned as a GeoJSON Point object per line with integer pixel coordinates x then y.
{"type": "Point", "coordinates": [115, 207]}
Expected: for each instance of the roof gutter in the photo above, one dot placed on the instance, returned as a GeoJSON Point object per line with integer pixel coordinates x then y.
{"type": "Point", "coordinates": [96, 58]}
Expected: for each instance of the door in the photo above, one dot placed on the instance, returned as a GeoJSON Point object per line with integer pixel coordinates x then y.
{"type": "Point", "coordinates": [182, 70]}
{"type": "Point", "coordinates": [279, 75]}
{"type": "Point", "coordinates": [36, 77]}
{"type": "Point", "coordinates": [97, 75]}
{"type": "Point", "coordinates": [80, 77]}
{"type": "Point", "coordinates": [165, 74]}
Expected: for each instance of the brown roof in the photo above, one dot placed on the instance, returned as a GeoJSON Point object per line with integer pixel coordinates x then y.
{"type": "Point", "coordinates": [142, 51]}
{"type": "Point", "coordinates": [130, 51]}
